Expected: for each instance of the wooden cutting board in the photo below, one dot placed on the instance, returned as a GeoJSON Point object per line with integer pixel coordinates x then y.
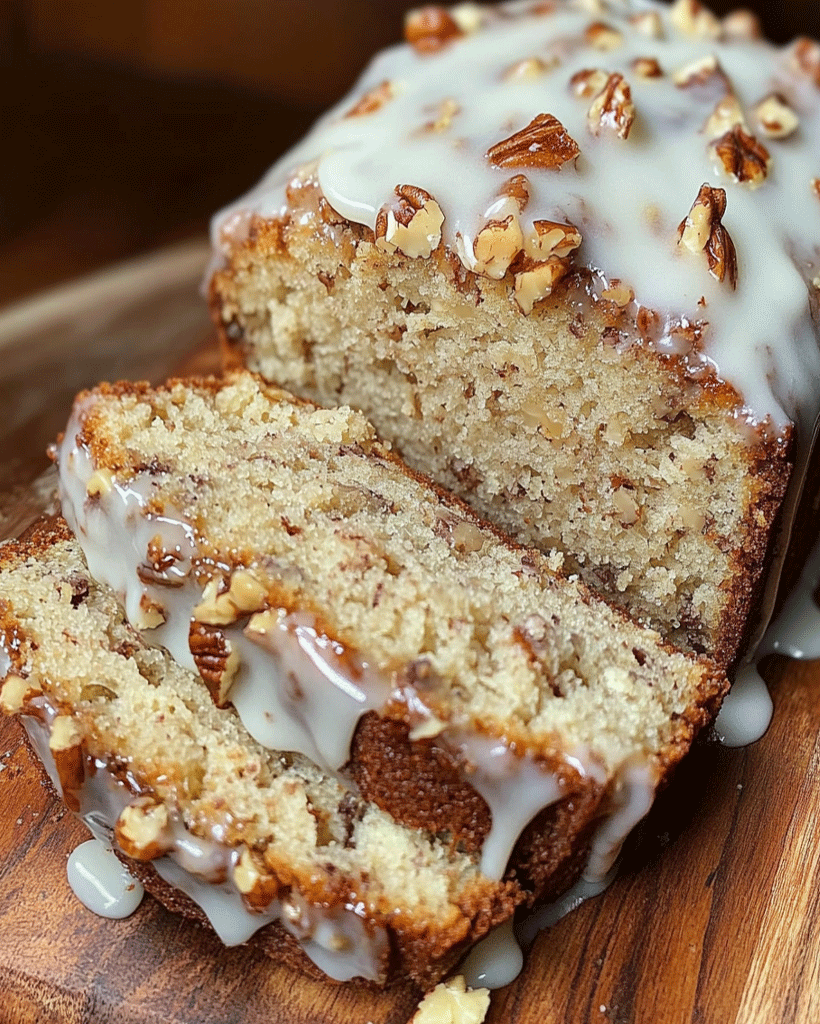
{"type": "Point", "coordinates": [715, 916]}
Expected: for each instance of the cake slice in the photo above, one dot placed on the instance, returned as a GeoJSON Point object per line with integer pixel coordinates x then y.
{"type": "Point", "coordinates": [259, 843]}
{"type": "Point", "coordinates": [563, 256]}
{"type": "Point", "coordinates": [352, 612]}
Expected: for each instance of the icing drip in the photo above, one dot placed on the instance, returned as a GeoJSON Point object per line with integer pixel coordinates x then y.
{"type": "Point", "coordinates": [101, 882]}
{"type": "Point", "coordinates": [746, 711]}
{"type": "Point", "coordinates": [497, 960]}
{"type": "Point", "coordinates": [515, 788]}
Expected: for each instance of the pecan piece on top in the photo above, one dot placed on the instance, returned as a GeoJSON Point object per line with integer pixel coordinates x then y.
{"type": "Point", "coordinates": [545, 142]}
{"type": "Point", "coordinates": [428, 29]}
{"type": "Point", "coordinates": [411, 223]}
{"type": "Point", "coordinates": [743, 158]}
{"type": "Point", "coordinates": [612, 108]}
{"type": "Point", "coordinates": [703, 231]}
{"type": "Point", "coordinates": [216, 661]}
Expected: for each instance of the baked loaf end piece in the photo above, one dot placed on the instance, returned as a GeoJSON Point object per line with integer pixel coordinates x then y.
{"type": "Point", "coordinates": [262, 842]}
{"type": "Point", "coordinates": [565, 262]}
{"type": "Point", "coordinates": [351, 611]}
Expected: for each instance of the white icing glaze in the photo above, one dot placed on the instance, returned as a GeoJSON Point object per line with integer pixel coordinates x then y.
{"type": "Point", "coordinates": [515, 787]}
{"type": "Point", "coordinates": [497, 960]}
{"type": "Point", "coordinates": [494, 962]}
{"type": "Point", "coordinates": [336, 939]}
{"type": "Point", "coordinates": [627, 196]}
{"type": "Point", "coordinates": [101, 882]}
{"type": "Point", "coordinates": [746, 711]}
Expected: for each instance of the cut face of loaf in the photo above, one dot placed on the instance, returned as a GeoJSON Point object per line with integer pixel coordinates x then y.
{"type": "Point", "coordinates": [352, 612]}
{"type": "Point", "coordinates": [659, 496]}
{"type": "Point", "coordinates": [563, 256]}
{"type": "Point", "coordinates": [258, 842]}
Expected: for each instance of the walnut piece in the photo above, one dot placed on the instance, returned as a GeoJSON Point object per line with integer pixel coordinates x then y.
{"type": "Point", "coordinates": [142, 830]}
{"type": "Point", "coordinates": [101, 482]}
{"type": "Point", "coordinates": [468, 16]}
{"type": "Point", "coordinates": [373, 100]}
{"type": "Point", "coordinates": [218, 607]}
{"type": "Point", "coordinates": [550, 238]}
{"type": "Point", "coordinates": [693, 19]}
{"type": "Point", "coordinates": [428, 29]}
{"type": "Point", "coordinates": [444, 116]}
{"type": "Point", "coordinates": [703, 231]}
{"type": "Point", "coordinates": [215, 659]}
{"type": "Point", "coordinates": [451, 1002]}
{"type": "Point", "coordinates": [545, 143]}
{"type": "Point", "coordinates": [518, 188]}
{"type": "Point", "coordinates": [775, 116]}
{"type": "Point", "coordinates": [742, 157]}
{"type": "Point", "coordinates": [612, 109]}
{"type": "Point", "coordinates": [411, 223]}
{"type": "Point", "coordinates": [647, 67]}
{"type": "Point", "coordinates": [603, 36]}
{"type": "Point", "coordinates": [815, 184]}
{"type": "Point", "coordinates": [259, 889]}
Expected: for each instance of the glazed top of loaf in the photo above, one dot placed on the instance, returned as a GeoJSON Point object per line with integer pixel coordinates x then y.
{"type": "Point", "coordinates": [585, 131]}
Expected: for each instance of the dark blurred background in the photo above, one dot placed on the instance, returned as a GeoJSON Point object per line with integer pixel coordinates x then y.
{"type": "Point", "coordinates": [124, 125]}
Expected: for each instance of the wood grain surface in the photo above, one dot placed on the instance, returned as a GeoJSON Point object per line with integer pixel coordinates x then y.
{"type": "Point", "coordinates": [713, 918]}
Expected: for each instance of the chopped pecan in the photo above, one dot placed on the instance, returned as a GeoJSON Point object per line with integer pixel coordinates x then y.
{"type": "Point", "coordinates": [648, 23]}
{"type": "Point", "coordinates": [703, 231]}
{"type": "Point", "coordinates": [603, 36]}
{"type": "Point", "coordinates": [693, 19]}
{"type": "Point", "coordinates": [727, 114]}
{"type": "Point", "coordinates": [527, 70]}
{"type": "Point", "coordinates": [743, 158]}
{"type": "Point", "coordinates": [518, 188]}
{"type": "Point", "coordinates": [588, 82]}
{"type": "Point", "coordinates": [447, 110]}
{"type": "Point", "coordinates": [535, 281]}
{"type": "Point", "coordinates": [496, 245]}
{"type": "Point", "coordinates": [372, 100]}
{"type": "Point", "coordinates": [742, 24]}
{"type": "Point", "coordinates": [411, 223]}
{"type": "Point", "coordinates": [699, 72]}
{"type": "Point", "coordinates": [215, 660]}
{"type": "Point", "coordinates": [776, 117]}
{"type": "Point", "coordinates": [613, 108]}
{"type": "Point", "coordinates": [430, 28]}
{"type": "Point", "coordinates": [647, 67]}
{"type": "Point", "coordinates": [142, 830]}
{"type": "Point", "coordinates": [545, 142]}
{"type": "Point", "coordinates": [815, 184]}
{"type": "Point", "coordinates": [550, 238]}
{"type": "Point", "coordinates": [806, 58]}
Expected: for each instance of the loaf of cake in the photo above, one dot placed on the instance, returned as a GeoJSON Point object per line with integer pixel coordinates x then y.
{"type": "Point", "coordinates": [319, 598]}
{"type": "Point", "coordinates": [564, 256]}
